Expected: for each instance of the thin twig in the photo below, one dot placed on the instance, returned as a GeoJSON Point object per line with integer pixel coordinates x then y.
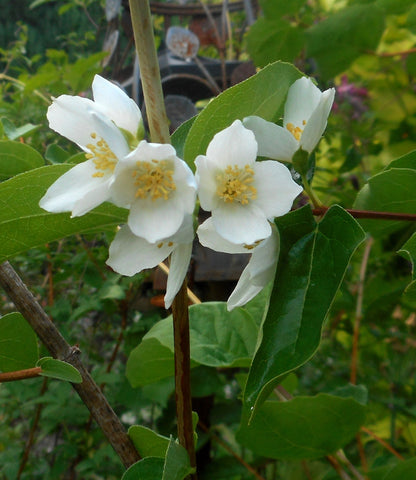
{"type": "Point", "coordinates": [410, 217]}
{"type": "Point", "coordinates": [341, 456]}
{"type": "Point", "coordinates": [191, 295]}
{"type": "Point", "coordinates": [382, 442]}
{"type": "Point", "coordinates": [393, 54]}
{"type": "Point", "coordinates": [228, 449]}
{"type": "Point", "coordinates": [359, 310]}
{"type": "Point", "coordinates": [337, 467]}
{"type": "Point", "coordinates": [20, 374]}
{"type": "Point", "coordinates": [88, 390]}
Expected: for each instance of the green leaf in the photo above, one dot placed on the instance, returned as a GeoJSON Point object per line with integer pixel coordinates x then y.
{"type": "Point", "coordinates": [149, 468]}
{"type": "Point", "coordinates": [274, 39]}
{"type": "Point", "coordinates": [392, 190]}
{"type": "Point", "coordinates": [312, 264]}
{"type": "Point", "coordinates": [58, 369]}
{"type": "Point", "coordinates": [18, 343]}
{"type": "Point", "coordinates": [16, 158]}
{"type": "Point", "coordinates": [147, 442]}
{"type": "Point", "coordinates": [55, 154]}
{"type": "Point", "coordinates": [179, 138]}
{"type": "Point", "coordinates": [263, 94]}
{"type": "Point", "coordinates": [149, 362]}
{"type": "Point", "coordinates": [394, 7]}
{"type": "Point", "coordinates": [218, 339]}
{"type": "Point", "coordinates": [405, 161]}
{"type": "Point", "coordinates": [302, 428]}
{"type": "Point", "coordinates": [21, 214]}
{"type": "Point", "coordinates": [279, 8]}
{"type": "Point", "coordinates": [411, 19]}
{"type": "Point", "coordinates": [403, 470]}
{"type": "Point", "coordinates": [13, 133]}
{"type": "Point", "coordinates": [338, 40]}
{"type": "Point", "coordinates": [177, 466]}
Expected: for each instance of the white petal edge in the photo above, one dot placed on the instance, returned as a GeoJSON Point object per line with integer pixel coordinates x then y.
{"type": "Point", "coordinates": [273, 141]}
{"type": "Point", "coordinates": [258, 273]}
{"type": "Point", "coordinates": [235, 145]}
{"type": "Point", "coordinates": [317, 121]}
{"type": "Point", "coordinates": [72, 187]}
{"type": "Point", "coordinates": [179, 263]}
{"type": "Point", "coordinates": [129, 254]}
{"type": "Point", "coordinates": [276, 189]}
{"type": "Point", "coordinates": [116, 104]}
{"type": "Point", "coordinates": [302, 99]}
{"type": "Point", "coordinates": [210, 238]}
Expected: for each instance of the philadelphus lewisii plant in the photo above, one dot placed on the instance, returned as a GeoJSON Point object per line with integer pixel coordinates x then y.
{"type": "Point", "coordinates": [260, 269]}
{"type": "Point", "coordinates": [244, 195]}
{"type": "Point", "coordinates": [100, 128]}
{"type": "Point", "coordinates": [304, 121]}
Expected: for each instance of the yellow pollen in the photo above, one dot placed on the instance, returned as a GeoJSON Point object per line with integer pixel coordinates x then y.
{"type": "Point", "coordinates": [160, 245]}
{"type": "Point", "coordinates": [295, 131]}
{"type": "Point", "coordinates": [154, 179]}
{"type": "Point", "coordinates": [102, 156]}
{"type": "Point", "coordinates": [170, 244]}
{"type": "Point", "coordinates": [252, 245]}
{"type": "Point", "coordinates": [234, 184]}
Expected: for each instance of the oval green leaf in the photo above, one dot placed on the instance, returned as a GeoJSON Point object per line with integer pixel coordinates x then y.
{"type": "Point", "coordinates": [24, 225]}
{"type": "Point", "coordinates": [302, 428]}
{"type": "Point", "coordinates": [263, 94]}
{"type": "Point", "coordinates": [58, 369]}
{"type": "Point", "coordinates": [18, 343]}
{"type": "Point", "coordinates": [150, 468]}
{"type": "Point", "coordinates": [17, 158]}
{"type": "Point", "coordinates": [312, 264]}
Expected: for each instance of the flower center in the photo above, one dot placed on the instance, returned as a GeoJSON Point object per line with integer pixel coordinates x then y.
{"type": "Point", "coordinates": [234, 184]}
{"type": "Point", "coordinates": [296, 131]}
{"type": "Point", "coordinates": [154, 179]}
{"type": "Point", "coordinates": [102, 156]}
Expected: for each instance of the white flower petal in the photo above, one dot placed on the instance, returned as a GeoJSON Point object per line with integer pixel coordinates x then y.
{"type": "Point", "coordinates": [316, 124]}
{"type": "Point", "coordinates": [276, 190]}
{"type": "Point", "coordinates": [274, 141]}
{"type": "Point", "coordinates": [129, 254]}
{"type": "Point", "coordinates": [76, 118]}
{"type": "Point", "coordinates": [72, 187]}
{"type": "Point", "coordinates": [123, 190]}
{"type": "Point", "coordinates": [241, 223]}
{"type": "Point", "coordinates": [116, 104]}
{"type": "Point", "coordinates": [302, 99]}
{"type": "Point", "coordinates": [258, 273]}
{"type": "Point", "coordinates": [179, 263]}
{"type": "Point", "coordinates": [91, 199]}
{"type": "Point", "coordinates": [209, 237]}
{"type": "Point", "coordinates": [207, 186]}
{"type": "Point", "coordinates": [156, 219]}
{"type": "Point", "coordinates": [234, 145]}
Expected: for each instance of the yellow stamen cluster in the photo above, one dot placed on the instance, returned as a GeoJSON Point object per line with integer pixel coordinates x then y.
{"type": "Point", "coordinates": [252, 245]}
{"type": "Point", "coordinates": [102, 156]}
{"type": "Point", "coordinates": [295, 131]}
{"type": "Point", "coordinates": [234, 184]}
{"type": "Point", "coordinates": [154, 179]}
{"type": "Point", "coordinates": [160, 245]}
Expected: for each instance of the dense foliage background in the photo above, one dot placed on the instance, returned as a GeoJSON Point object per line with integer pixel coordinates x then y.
{"type": "Point", "coordinates": [367, 50]}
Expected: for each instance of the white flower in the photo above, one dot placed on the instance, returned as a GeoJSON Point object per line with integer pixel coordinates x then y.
{"type": "Point", "coordinates": [130, 254]}
{"type": "Point", "coordinates": [100, 128]}
{"type": "Point", "coordinates": [304, 122]}
{"type": "Point", "coordinates": [242, 194]}
{"type": "Point", "coordinates": [158, 187]}
{"type": "Point", "coordinates": [260, 269]}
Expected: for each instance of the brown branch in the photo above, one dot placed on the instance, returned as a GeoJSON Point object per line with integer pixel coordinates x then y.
{"type": "Point", "coordinates": [228, 449]}
{"type": "Point", "coordinates": [88, 390]}
{"type": "Point", "coordinates": [20, 374]}
{"type": "Point", "coordinates": [382, 442]}
{"type": "Point", "coordinates": [409, 217]}
{"type": "Point", "coordinates": [183, 373]}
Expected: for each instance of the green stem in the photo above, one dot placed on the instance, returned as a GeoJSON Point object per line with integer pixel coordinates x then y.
{"type": "Point", "coordinates": [311, 194]}
{"type": "Point", "coordinates": [159, 132]}
{"type": "Point", "coordinates": [149, 70]}
{"type": "Point", "coordinates": [22, 84]}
